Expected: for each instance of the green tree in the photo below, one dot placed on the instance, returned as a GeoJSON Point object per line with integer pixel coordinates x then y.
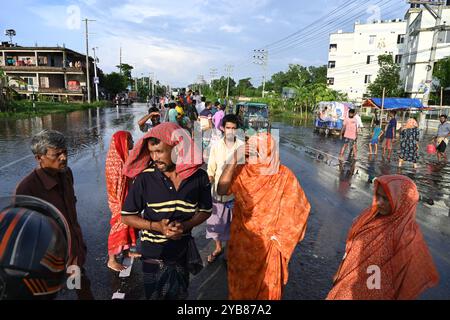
{"type": "Point", "coordinates": [441, 73]}
{"type": "Point", "coordinates": [115, 83]}
{"type": "Point", "coordinates": [388, 78]}
{"type": "Point", "coordinates": [219, 86]}
{"type": "Point", "coordinates": [126, 71]}
{"type": "Point", "coordinates": [245, 88]}
{"type": "Point", "coordinates": [318, 74]}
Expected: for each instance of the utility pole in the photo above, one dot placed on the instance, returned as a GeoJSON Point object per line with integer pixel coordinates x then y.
{"type": "Point", "coordinates": [152, 85]}
{"type": "Point", "coordinates": [229, 70]}
{"type": "Point", "coordinates": [88, 81]}
{"type": "Point", "coordinates": [95, 74]}
{"type": "Point", "coordinates": [120, 61]}
{"type": "Point", "coordinates": [213, 75]}
{"type": "Point", "coordinates": [430, 67]}
{"type": "Point", "coordinates": [261, 57]}
{"type": "Point", "coordinates": [438, 16]}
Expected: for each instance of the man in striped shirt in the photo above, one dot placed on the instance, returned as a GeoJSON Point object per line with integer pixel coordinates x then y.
{"type": "Point", "coordinates": [173, 199]}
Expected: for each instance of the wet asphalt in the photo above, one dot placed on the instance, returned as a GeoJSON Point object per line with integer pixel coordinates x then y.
{"type": "Point", "coordinates": [337, 193]}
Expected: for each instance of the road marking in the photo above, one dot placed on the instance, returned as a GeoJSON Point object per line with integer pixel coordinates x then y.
{"type": "Point", "coordinates": [17, 161]}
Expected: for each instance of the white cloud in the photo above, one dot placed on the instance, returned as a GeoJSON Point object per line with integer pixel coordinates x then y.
{"type": "Point", "coordinates": [136, 13]}
{"type": "Point", "coordinates": [264, 18]}
{"type": "Point", "coordinates": [231, 29]}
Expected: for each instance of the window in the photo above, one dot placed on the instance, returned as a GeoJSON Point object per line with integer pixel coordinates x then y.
{"type": "Point", "coordinates": [372, 39]}
{"type": "Point", "coordinates": [398, 59]}
{"type": "Point", "coordinates": [368, 78]}
{"type": "Point", "coordinates": [330, 81]}
{"type": "Point", "coordinates": [44, 82]}
{"type": "Point", "coordinates": [333, 47]}
{"type": "Point", "coordinates": [444, 37]}
{"type": "Point", "coordinates": [332, 64]}
{"type": "Point", "coordinates": [369, 59]}
{"type": "Point", "coordinates": [400, 39]}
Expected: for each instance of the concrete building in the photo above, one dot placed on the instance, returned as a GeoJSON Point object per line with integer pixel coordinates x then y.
{"type": "Point", "coordinates": [352, 62]}
{"type": "Point", "coordinates": [419, 36]}
{"type": "Point", "coordinates": [353, 56]}
{"type": "Point", "coordinates": [56, 72]}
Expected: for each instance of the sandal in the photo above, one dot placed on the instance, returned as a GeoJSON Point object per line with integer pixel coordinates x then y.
{"type": "Point", "coordinates": [213, 256]}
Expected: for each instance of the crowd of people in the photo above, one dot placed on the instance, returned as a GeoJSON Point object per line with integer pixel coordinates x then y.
{"type": "Point", "coordinates": [163, 186]}
{"type": "Point", "coordinates": [408, 136]}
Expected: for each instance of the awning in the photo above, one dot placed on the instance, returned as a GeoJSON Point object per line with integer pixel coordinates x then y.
{"type": "Point", "coordinates": [394, 103]}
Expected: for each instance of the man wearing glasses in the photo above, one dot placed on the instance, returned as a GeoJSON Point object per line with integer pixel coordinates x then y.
{"type": "Point", "coordinates": [52, 181]}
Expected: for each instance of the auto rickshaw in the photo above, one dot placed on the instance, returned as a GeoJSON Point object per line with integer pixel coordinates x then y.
{"type": "Point", "coordinates": [253, 116]}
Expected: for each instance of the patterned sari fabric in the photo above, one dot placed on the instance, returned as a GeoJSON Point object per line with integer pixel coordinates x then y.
{"type": "Point", "coordinates": [189, 158]}
{"type": "Point", "coordinates": [269, 220]}
{"type": "Point", "coordinates": [121, 236]}
{"type": "Point", "coordinates": [393, 244]}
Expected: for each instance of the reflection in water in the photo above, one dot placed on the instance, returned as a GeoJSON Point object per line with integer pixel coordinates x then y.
{"type": "Point", "coordinates": [431, 178]}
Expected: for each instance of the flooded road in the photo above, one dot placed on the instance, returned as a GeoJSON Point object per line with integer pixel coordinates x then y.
{"type": "Point", "coordinates": [337, 192]}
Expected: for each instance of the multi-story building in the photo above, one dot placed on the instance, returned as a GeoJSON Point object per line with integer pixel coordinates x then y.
{"type": "Point", "coordinates": [352, 63]}
{"type": "Point", "coordinates": [353, 56]}
{"type": "Point", "coordinates": [48, 71]}
{"type": "Point", "coordinates": [419, 36]}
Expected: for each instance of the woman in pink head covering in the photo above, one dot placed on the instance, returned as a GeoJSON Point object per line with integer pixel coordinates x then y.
{"type": "Point", "coordinates": [409, 143]}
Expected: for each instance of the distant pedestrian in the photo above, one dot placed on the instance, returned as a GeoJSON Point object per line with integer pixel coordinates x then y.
{"type": "Point", "coordinates": [409, 143]}
{"type": "Point", "coordinates": [391, 130]}
{"type": "Point", "coordinates": [173, 113]}
{"type": "Point", "coordinates": [441, 140]}
{"type": "Point", "coordinates": [386, 257]}
{"type": "Point", "coordinates": [376, 136]}
{"type": "Point", "coordinates": [154, 115]}
{"type": "Point", "coordinates": [350, 133]}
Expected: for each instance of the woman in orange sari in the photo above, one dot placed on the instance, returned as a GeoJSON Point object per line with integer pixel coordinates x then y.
{"type": "Point", "coordinates": [269, 220]}
{"type": "Point", "coordinates": [121, 236]}
{"type": "Point", "coordinates": [386, 257]}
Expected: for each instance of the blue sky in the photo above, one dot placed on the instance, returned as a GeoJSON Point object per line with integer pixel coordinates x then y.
{"type": "Point", "coordinates": [180, 40]}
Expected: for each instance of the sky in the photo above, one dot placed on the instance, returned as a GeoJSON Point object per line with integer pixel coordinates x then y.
{"type": "Point", "coordinates": [178, 41]}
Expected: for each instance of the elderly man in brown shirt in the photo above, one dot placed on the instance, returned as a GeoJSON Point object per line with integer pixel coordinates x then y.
{"type": "Point", "coordinates": [52, 181]}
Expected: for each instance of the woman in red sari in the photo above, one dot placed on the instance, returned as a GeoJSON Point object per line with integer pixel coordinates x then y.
{"type": "Point", "coordinates": [386, 257]}
{"type": "Point", "coordinates": [121, 236]}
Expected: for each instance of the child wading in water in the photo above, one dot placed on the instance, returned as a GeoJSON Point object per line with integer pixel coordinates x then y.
{"type": "Point", "coordinates": [377, 134]}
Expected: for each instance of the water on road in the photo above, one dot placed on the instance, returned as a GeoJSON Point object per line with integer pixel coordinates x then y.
{"type": "Point", "coordinates": [337, 192]}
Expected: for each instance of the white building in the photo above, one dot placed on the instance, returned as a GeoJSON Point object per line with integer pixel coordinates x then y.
{"type": "Point", "coordinates": [353, 57]}
{"type": "Point", "coordinates": [419, 38]}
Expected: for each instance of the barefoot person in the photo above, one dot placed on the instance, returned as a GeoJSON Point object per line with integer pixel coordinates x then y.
{"type": "Point", "coordinates": [409, 143]}
{"type": "Point", "coordinates": [386, 239]}
{"type": "Point", "coordinates": [391, 130]}
{"type": "Point", "coordinates": [218, 225]}
{"type": "Point", "coordinates": [442, 137]}
{"type": "Point", "coordinates": [350, 133]}
{"type": "Point", "coordinates": [121, 237]}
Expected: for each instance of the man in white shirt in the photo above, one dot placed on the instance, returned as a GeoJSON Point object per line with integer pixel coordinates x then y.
{"type": "Point", "coordinates": [218, 224]}
{"type": "Point", "coordinates": [201, 105]}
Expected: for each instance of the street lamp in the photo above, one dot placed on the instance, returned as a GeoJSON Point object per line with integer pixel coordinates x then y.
{"type": "Point", "coordinates": [10, 33]}
{"type": "Point", "coordinates": [96, 80]}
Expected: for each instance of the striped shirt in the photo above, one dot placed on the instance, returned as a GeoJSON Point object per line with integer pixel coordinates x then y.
{"type": "Point", "coordinates": [154, 196]}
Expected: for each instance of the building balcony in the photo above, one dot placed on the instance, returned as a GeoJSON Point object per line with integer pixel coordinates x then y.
{"type": "Point", "coordinates": [48, 91]}
{"type": "Point", "coordinates": [33, 68]}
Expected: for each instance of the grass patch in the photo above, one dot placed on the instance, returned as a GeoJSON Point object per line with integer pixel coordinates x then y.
{"type": "Point", "coordinates": [23, 109]}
